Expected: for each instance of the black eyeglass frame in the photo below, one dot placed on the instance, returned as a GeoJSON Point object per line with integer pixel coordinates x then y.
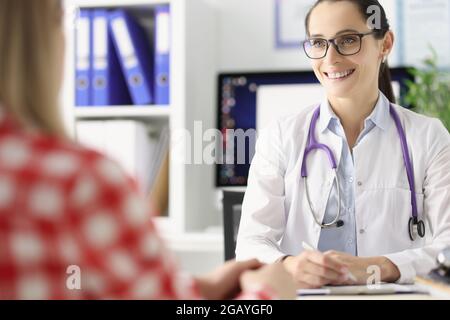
{"type": "Point", "coordinates": [333, 42]}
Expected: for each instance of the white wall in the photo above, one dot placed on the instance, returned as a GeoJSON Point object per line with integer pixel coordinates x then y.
{"type": "Point", "coordinates": [246, 34]}
{"type": "Point", "coordinates": [246, 37]}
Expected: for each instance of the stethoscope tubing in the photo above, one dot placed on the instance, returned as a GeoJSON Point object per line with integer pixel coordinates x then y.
{"type": "Point", "coordinates": [407, 161]}
{"type": "Point", "coordinates": [333, 223]}
{"type": "Point", "coordinates": [312, 145]}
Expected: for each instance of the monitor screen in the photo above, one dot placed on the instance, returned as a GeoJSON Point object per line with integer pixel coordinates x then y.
{"type": "Point", "coordinates": [249, 101]}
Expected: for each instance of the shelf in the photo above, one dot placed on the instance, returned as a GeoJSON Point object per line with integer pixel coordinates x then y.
{"type": "Point", "coordinates": [122, 112]}
{"type": "Point", "coordinates": [192, 197]}
{"type": "Point", "coordinates": [116, 3]}
{"type": "Point", "coordinates": [210, 240]}
{"type": "Point", "coordinates": [195, 242]}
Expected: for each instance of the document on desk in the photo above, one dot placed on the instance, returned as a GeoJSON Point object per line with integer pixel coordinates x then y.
{"type": "Point", "coordinates": [385, 288]}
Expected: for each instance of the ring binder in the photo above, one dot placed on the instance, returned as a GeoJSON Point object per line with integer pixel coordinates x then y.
{"type": "Point", "coordinates": [83, 59]}
{"type": "Point", "coordinates": [162, 55]}
{"type": "Point", "coordinates": [108, 85]}
{"type": "Point", "coordinates": [135, 56]}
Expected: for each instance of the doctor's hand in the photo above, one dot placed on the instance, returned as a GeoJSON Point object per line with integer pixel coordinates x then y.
{"type": "Point", "coordinates": [378, 269]}
{"type": "Point", "coordinates": [313, 269]}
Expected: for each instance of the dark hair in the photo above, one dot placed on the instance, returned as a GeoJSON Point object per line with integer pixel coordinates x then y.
{"type": "Point", "coordinates": [384, 80]}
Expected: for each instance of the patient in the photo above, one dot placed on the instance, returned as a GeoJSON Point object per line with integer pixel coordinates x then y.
{"type": "Point", "coordinates": [66, 210]}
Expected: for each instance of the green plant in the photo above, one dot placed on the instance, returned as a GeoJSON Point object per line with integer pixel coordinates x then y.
{"type": "Point", "coordinates": [429, 94]}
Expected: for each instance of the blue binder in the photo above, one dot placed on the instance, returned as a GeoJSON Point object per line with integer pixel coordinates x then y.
{"type": "Point", "coordinates": [162, 54]}
{"type": "Point", "coordinates": [108, 83]}
{"type": "Point", "coordinates": [135, 56]}
{"type": "Point", "coordinates": [83, 59]}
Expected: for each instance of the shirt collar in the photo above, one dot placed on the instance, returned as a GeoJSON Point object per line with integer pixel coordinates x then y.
{"type": "Point", "coordinates": [326, 115]}
{"type": "Point", "coordinates": [379, 116]}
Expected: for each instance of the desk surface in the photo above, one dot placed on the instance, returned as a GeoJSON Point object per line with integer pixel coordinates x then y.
{"type": "Point", "coordinates": [371, 297]}
{"type": "Point", "coordinates": [387, 291]}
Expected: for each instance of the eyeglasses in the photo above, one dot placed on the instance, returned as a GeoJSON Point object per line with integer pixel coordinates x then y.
{"type": "Point", "coordinates": [346, 45]}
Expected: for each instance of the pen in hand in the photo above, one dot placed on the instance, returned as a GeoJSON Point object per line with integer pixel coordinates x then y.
{"type": "Point", "coordinates": [349, 274]}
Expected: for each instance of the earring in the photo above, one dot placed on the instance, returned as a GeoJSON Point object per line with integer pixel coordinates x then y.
{"type": "Point", "coordinates": [384, 59]}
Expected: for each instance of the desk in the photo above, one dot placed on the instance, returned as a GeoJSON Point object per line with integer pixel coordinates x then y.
{"type": "Point", "coordinates": [371, 297]}
{"type": "Point", "coordinates": [388, 291]}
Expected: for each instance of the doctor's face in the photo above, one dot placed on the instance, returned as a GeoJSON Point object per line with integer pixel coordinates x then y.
{"type": "Point", "coordinates": [345, 76]}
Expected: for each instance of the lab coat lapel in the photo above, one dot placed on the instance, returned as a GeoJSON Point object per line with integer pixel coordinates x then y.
{"type": "Point", "coordinates": [335, 143]}
{"type": "Point", "coordinates": [320, 174]}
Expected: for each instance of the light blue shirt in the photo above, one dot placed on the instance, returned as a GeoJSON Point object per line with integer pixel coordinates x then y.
{"type": "Point", "coordinates": [343, 239]}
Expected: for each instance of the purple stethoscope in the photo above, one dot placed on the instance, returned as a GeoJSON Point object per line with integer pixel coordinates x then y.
{"type": "Point", "coordinates": [415, 225]}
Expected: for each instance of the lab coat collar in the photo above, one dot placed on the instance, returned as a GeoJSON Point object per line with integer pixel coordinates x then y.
{"type": "Point", "coordinates": [380, 115]}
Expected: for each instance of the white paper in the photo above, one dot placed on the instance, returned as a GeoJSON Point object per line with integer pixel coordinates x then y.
{"type": "Point", "coordinates": [92, 134]}
{"type": "Point", "coordinates": [128, 143]}
{"type": "Point", "coordinates": [125, 141]}
{"type": "Point", "coordinates": [384, 288]}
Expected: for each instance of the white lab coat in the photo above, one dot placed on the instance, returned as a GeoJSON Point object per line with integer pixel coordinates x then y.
{"type": "Point", "coordinates": [276, 218]}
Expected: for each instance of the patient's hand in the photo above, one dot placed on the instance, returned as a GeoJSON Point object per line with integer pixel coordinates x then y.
{"type": "Point", "coordinates": [272, 276]}
{"type": "Point", "coordinates": [223, 282]}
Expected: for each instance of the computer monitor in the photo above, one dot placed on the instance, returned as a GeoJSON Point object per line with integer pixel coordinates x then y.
{"type": "Point", "coordinates": [248, 101]}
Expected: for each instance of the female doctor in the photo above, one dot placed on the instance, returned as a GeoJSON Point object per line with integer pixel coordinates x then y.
{"type": "Point", "coordinates": [362, 180]}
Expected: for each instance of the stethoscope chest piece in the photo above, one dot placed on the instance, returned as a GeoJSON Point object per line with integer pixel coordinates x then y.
{"type": "Point", "coordinates": [416, 227]}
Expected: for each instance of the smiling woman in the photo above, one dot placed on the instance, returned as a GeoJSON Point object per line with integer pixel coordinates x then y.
{"type": "Point", "coordinates": [360, 53]}
{"type": "Point", "coordinates": [333, 174]}
{"type": "Point", "coordinates": [72, 224]}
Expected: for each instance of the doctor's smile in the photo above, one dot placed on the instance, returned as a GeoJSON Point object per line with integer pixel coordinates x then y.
{"type": "Point", "coordinates": [363, 180]}
{"type": "Point", "coordinates": [335, 75]}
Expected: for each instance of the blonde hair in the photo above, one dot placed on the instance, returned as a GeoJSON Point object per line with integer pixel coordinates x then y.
{"type": "Point", "coordinates": [30, 36]}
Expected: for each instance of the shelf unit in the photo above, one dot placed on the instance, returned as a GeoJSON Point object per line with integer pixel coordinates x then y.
{"type": "Point", "coordinates": [192, 195]}
{"type": "Point", "coordinates": [143, 112]}
{"type": "Point", "coordinates": [118, 3]}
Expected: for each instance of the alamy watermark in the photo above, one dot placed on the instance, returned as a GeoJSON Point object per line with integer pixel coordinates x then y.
{"type": "Point", "coordinates": [374, 279]}
{"type": "Point", "coordinates": [73, 281]}
{"type": "Point", "coordinates": [212, 146]}
{"type": "Point", "coordinates": [374, 21]}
